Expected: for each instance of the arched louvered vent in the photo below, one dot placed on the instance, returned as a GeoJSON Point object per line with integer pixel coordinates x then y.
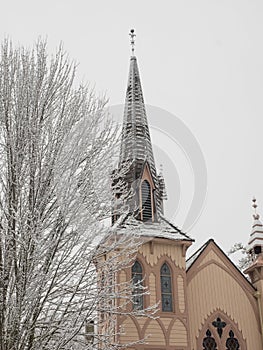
{"type": "Point", "coordinates": [146, 201]}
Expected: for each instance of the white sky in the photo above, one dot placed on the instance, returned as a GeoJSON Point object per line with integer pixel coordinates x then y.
{"type": "Point", "coordinates": [201, 61]}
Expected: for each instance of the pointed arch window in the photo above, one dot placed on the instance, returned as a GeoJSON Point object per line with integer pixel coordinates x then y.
{"type": "Point", "coordinates": [232, 342]}
{"type": "Point", "coordinates": [146, 198]}
{"type": "Point", "coordinates": [220, 336]}
{"type": "Point", "coordinates": [137, 286]}
{"type": "Point", "coordinates": [166, 288]}
{"type": "Point", "coordinates": [209, 342]}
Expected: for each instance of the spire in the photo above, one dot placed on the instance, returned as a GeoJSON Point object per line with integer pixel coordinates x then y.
{"type": "Point", "coordinates": [136, 141]}
{"type": "Point", "coordinates": [255, 244]}
{"type": "Point", "coordinates": [136, 146]}
{"type": "Point", "coordinates": [255, 250]}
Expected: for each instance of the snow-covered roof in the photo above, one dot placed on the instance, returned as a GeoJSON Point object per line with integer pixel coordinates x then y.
{"type": "Point", "coordinates": [161, 229]}
{"type": "Point", "coordinates": [192, 259]}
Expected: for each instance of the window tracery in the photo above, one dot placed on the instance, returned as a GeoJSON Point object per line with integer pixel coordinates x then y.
{"type": "Point", "coordinates": [220, 336]}
{"type": "Point", "coordinates": [219, 325]}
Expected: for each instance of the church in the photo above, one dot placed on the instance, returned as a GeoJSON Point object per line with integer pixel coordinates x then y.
{"type": "Point", "coordinates": [205, 301]}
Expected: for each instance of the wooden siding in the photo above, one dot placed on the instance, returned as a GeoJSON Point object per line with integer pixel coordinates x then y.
{"type": "Point", "coordinates": [129, 332]}
{"type": "Point", "coordinates": [122, 279]}
{"type": "Point", "coordinates": [180, 289]}
{"type": "Point", "coordinates": [213, 288]}
{"type": "Point", "coordinates": [178, 335]}
{"type": "Point", "coordinates": [154, 334]}
{"type": "Point", "coordinates": [152, 289]}
{"type": "Point", "coordinates": [174, 252]}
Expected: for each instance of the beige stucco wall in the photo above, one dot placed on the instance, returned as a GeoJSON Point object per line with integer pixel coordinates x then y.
{"type": "Point", "coordinates": [213, 284]}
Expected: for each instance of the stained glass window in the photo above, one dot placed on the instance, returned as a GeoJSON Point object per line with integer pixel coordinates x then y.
{"type": "Point", "coordinates": [219, 325]}
{"type": "Point", "coordinates": [146, 201]}
{"type": "Point", "coordinates": [209, 342]}
{"type": "Point", "coordinates": [137, 286]}
{"type": "Point", "coordinates": [232, 342]}
{"type": "Point", "coordinates": [166, 288]}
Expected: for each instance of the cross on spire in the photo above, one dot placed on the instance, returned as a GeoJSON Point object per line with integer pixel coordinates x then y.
{"type": "Point", "coordinates": [132, 40]}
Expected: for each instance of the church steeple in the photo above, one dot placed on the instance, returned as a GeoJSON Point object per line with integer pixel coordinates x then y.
{"type": "Point", "coordinates": [136, 141]}
{"type": "Point", "coordinates": [255, 244]}
{"type": "Point", "coordinates": [136, 149]}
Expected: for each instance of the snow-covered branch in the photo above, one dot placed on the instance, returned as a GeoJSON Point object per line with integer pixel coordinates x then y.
{"type": "Point", "coordinates": [56, 147]}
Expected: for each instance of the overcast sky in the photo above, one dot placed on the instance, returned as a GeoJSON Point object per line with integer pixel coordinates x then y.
{"type": "Point", "coordinates": [200, 61]}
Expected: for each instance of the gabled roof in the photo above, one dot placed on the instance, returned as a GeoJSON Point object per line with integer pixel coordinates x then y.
{"type": "Point", "coordinates": [161, 229]}
{"type": "Point", "coordinates": [194, 260]}
{"type": "Point", "coordinates": [193, 257]}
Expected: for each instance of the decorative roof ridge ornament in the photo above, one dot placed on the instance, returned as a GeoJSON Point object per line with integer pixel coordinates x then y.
{"type": "Point", "coordinates": [256, 216]}
{"type": "Point", "coordinates": [132, 40]}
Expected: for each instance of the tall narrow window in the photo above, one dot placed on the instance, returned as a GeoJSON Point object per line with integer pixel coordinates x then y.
{"type": "Point", "coordinates": [137, 286]}
{"type": "Point", "coordinates": [166, 288]}
{"type": "Point", "coordinates": [146, 201]}
{"type": "Point", "coordinates": [209, 342]}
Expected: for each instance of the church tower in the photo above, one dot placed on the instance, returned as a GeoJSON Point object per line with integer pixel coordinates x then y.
{"type": "Point", "coordinates": [159, 264]}
{"type": "Point", "coordinates": [202, 303]}
{"type": "Point", "coordinates": [136, 154]}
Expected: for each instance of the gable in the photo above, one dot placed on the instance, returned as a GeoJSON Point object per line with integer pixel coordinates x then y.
{"type": "Point", "coordinates": [211, 253]}
{"type": "Point", "coordinates": [215, 285]}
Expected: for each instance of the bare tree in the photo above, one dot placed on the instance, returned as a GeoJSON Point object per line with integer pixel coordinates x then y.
{"type": "Point", "coordinates": [55, 147]}
{"type": "Point", "coordinates": [246, 258]}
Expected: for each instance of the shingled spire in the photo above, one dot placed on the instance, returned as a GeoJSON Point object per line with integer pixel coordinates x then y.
{"type": "Point", "coordinates": [136, 149]}
{"type": "Point", "coordinates": [136, 143]}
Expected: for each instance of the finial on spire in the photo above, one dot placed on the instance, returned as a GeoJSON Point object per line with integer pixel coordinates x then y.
{"type": "Point", "coordinates": [132, 39]}
{"type": "Point", "coordinates": [254, 205]}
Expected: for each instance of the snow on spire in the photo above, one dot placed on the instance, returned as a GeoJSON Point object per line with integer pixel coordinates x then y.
{"type": "Point", "coordinates": [136, 141]}
{"type": "Point", "coordinates": [136, 145]}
